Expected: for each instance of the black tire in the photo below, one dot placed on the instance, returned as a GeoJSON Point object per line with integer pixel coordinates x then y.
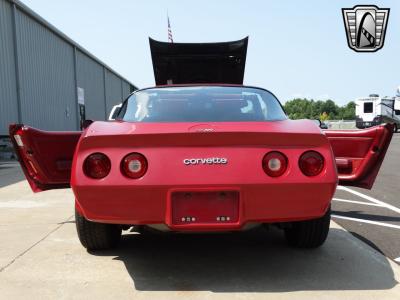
{"type": "Point", "coordinates": [96, 236]}
{"type": "Point", "coordinates": [395, 127]}
{"type": "Point", "coordinates": [310, 233]}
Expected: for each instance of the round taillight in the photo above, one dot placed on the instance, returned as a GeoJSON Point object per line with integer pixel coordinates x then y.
{"type": "Point", "coordinates": [134, 165]}
{"type": "Point", "coordinates": [311, 163]}
{"type": "Point", "coordinates": [97, 165]}
{"type": "Point", "coordinates": [274, 163]}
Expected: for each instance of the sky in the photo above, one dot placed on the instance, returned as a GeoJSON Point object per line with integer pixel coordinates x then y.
{"type": "Point", "coordinates": [296, 48]}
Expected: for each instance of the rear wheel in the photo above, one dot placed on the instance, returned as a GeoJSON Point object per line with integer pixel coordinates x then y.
{"type": "Point", "coordinates": [395, 127]}
{"type": "Point", "coordinates": [310, 233]}
{"type": "Point", "coordinates": [96, 236]}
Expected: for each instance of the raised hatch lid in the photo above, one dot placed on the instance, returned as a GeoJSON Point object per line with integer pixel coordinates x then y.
{"type": "Point", "coordinates": [181, 63]}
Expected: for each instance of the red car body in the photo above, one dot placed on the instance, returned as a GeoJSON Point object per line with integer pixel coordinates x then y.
{"type": "Point", "coordinates": [149, 200]}
{"type": "Point", "coordinates": [55, 160]}
{"type": "Point", "coordinates": [241, 163]}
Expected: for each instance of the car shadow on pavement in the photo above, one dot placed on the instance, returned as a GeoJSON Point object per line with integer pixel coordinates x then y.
{"type": "Point", "coordinates": [366, 216]}
{"type": "Point", "coordinates": [255, 261]}
{"type": "Point", "coordinates": [367, 241]}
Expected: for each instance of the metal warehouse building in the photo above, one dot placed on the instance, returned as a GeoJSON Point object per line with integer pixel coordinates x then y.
{"type": "Point", "coordinates": [44, 74]}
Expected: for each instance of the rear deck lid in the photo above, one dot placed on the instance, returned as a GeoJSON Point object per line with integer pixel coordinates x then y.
{"type": "Point", "coordinates": [182, 63]}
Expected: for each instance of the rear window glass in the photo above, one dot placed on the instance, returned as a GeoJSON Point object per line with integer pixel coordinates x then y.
{"type": "Point", "coordinates": [202, 104]}
{"type": "Point", "coordinates": [368, 107]}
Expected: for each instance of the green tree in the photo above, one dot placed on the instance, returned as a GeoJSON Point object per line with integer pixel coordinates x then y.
{"type": "Point", "coordinates": [326, 110]}
{"type": "Point", "coordinates": [347, 112]}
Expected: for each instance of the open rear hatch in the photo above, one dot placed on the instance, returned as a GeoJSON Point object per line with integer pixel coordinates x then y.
{"type": "Point", "coordinates": [181, 63]}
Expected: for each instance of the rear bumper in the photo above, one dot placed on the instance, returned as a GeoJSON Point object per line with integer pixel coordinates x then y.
{"type": "Point", "coordinates": [262, 203]}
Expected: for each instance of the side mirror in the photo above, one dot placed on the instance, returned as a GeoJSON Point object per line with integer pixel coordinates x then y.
{"type": "Point", "coordinates": [323, 125]}
{"type": "Point", "coordinates": [114, 112]}
{"type": "Point", "coordinates": [318, 122]}
{"type": "Point", "coordinates": [86, 124]}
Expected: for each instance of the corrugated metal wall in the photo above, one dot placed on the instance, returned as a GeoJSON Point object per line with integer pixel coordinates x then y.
{"type": "Point", "coordinates": [49, 67]}
{"type": "Point", "coordinates": [47, 73]}
{"type": "Point", "coordinates": [90, 78]}
{"type": "Point", "coordinates": [113, 90]}
{"type": "Point", "coordinates": [8, 86]}
{"type": "Point", "coordinates": [126, 89]}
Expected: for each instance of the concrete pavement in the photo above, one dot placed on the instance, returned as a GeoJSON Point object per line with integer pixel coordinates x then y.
{"type": "Point", "coordinates": [10, 172]}
{"type": "Point", "coordinates": [380, 235]}
{"type": "Point", "coordinates": [41, 258]}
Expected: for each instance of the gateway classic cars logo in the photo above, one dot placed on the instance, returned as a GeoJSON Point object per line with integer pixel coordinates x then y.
{"type": "Point", "coordinates": [365, 27]}
{"type": "Point", "coordinates": [206, 161]}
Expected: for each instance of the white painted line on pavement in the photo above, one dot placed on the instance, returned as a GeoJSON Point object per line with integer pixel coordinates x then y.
{"type": "Point", "coordinates": [397, 259]}
{"type": "Point", "coordinates": [369, 198]}
{"type": "Point", "coordinates": [367, 221]}
{"type": "Point", "coordinates": [356, 202]}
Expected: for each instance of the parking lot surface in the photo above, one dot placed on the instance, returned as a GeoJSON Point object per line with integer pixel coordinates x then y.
{"type": "Point", "coordinates": [374, 215]}
{"type": "Point", "coordinates": [41, 258]}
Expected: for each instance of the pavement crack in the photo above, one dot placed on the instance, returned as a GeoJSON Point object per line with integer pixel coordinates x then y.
{"type": "Point", "coordinates": [38, 242]}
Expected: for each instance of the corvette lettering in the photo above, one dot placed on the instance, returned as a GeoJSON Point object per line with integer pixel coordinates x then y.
{"type": "Point", "coordinates": [206, 161]}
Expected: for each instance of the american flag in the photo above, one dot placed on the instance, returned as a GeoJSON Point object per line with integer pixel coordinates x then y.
{"type": "Point", "coordinates": [169, 32]}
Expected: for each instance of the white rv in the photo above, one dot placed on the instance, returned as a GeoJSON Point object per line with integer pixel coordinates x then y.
{"type": "Point", "coordinates": [375, 110]}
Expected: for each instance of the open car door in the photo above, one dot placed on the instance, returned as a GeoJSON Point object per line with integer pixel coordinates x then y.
{"type": "Point", "coordinates": [45, 157]}
{"type": "Point", "coordinates": [360, 153]}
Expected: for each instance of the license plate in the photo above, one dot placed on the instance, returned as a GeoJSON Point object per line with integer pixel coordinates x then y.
{"type": "Point", "coordinates": [205, 207]}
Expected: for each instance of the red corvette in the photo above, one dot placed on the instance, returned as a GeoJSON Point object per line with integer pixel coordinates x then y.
{"type": "Point", "coordinates": [201, 158]}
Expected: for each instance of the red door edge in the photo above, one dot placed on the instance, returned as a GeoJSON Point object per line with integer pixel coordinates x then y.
{"type": "Point", "coordinates": [367, 179]}
{"type": "Point", "coordinates": [35, 184]}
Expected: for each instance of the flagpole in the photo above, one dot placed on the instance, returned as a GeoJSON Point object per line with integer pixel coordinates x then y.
{"type": "Point", "coordinates": [170, 39]}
